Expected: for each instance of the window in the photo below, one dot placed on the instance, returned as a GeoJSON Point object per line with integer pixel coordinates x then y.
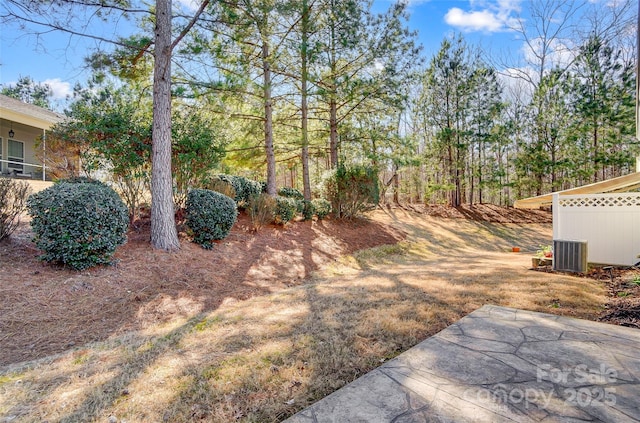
{"type": "Point", "coordinates": [15, 155]}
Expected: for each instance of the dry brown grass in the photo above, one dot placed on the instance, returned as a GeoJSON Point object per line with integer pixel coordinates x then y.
{"type": "Point", "coordinates": [46, 309]}
{"type": "Point", "coordinates": [267, 357]}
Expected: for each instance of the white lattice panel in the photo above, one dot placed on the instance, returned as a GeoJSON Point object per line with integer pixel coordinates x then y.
{"type": "Point", "coordinates": [610, 223]}
{"type": "Point", "coordinates": [604, 200]}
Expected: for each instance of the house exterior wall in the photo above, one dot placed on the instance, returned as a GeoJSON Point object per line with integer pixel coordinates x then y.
{"type": "Point", "coordinates": [29, 123]}
{"type": "Point", "coordinates": [27, 135]}
{"type": "Point", "coordinates": [610, 223]}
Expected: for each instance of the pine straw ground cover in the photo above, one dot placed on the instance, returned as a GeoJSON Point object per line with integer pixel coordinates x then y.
{"type": "Point", "coordinates": [272, 350]}
{"type": "Point", "coordinates": [623, 286]}
{"type": "Point", "coordinates": [46, 309]}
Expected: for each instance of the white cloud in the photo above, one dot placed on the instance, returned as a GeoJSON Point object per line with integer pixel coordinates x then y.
{"type": "Point", "coordinates": [557, 52]}
{"type": "Point", "coordinates": [414, 2]}
{"type": "Point", "coordinates": [525, 72]}
{"type": "Point", "coordinates": [59, 88]}
{"type": "Point", "coordinates": [189, 5]}
{"type": "Point", "coordinates": [473, 21]}
{"type": "Point", "coordinates": [485, 15]}
{"type": "Point", "coordinates": [518, 80]}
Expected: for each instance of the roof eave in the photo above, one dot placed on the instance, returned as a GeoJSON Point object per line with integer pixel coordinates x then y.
{"type": "Point", "coordinates": [27, 119]}
{"type": "Point", "coordinates": [619, 184]}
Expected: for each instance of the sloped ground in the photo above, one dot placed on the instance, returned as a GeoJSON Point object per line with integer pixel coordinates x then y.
{"type": "Point", "coordinates": [239, 334]}
{"type": "Point", "coordinates": [483, 213]}
{"type": "Point", "coordinates": [46, 309]}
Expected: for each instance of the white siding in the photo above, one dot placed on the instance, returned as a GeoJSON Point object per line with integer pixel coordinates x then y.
{"type": "Point", "coordinates": [610, 223]}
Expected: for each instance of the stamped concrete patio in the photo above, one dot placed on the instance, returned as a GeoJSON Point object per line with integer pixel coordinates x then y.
{"type": "Point", "coordinates": [499, 365]}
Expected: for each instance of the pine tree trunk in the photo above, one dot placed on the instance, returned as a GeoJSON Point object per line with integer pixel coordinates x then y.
{"type": "Point", "coordinates": [306, 183]}
{"type": "Point", "coordinates": [333, 131]}
{"type": "Point", "coordinates": [472, 179]}
{"type": "Point", "coordinates": [268, 122]}
{"type": "Point", "coordinates": [164, 234]}
{"type": "Point", "coordinates": [396, 186]}
{"type": "Point", "coordinates": [452, 175]}
{"type": "Point", "coordinates": [481, 159]}
{"type": "Point", "coordinates": [595, 152]}
{"type": "Point", "coordinates": [333, 103]}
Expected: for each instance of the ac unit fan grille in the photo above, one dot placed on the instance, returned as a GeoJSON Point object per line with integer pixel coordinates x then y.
{"type": "Point", "coordinates": [570, 256]}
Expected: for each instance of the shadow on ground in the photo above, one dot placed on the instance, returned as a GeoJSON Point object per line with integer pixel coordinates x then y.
{"type": "Point", "coordinates": [267, 357]}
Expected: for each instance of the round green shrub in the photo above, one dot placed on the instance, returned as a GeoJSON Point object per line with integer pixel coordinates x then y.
{"type": "Point", "coordinates": [305, 207]}
{"type": "Point", "coordinates": [81, 180]}
{"type": "Point", "coordinates": [210, 215]}
{"type": "Point", "coordinates": [321, 207]}
{"type": "Point", "coordinates": [78, 224]}
{"type": "Point", "coordinates": [244, 188]}
{"type": "Point", "coordinates": [286, 209]}
{"type": "Point", "coordinates": [291, 193]}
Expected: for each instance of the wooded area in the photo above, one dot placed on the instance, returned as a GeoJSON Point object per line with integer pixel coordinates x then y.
{"type": "Point", "coordinates": [283, 90]}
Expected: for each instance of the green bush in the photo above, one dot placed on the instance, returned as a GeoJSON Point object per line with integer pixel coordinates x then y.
{"type": "Point", "coordinates": [291, 193]}
{"type": "Point", "coordinates": [261, 209]}
{"type": "Point", "coordinates": [306, 208]}
{"type": "Point", "coordinates": [131, 187]}
{"type": "Point", "coordinates": [286, 209]}
{"type": "Point", "coordinates": [13, 199]}
{"type": "Point", "coordinates": [244, 188]}
{"type": "Point", "coordinates": [223, 187]}
{"type": "Point", "coordinates": [352, 190]}
{"type": "Point", "coordinates": [81, 180]}
{"type": "Point", "coordinates": [321, 207]}
{"type": "Point", "coordinates": [210, 215]}
{"type": "Point", "coordinates": [78, 224]}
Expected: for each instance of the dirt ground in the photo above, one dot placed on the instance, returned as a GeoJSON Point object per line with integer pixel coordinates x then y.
{"type": "Point", "coordinates": [47, 309]}
{"type": "Point", "coordinates": [483, 213]}
{"type": "Point", "coordinates": [623, 288]}
{"type": "Point", "coordinates": [250, 331]}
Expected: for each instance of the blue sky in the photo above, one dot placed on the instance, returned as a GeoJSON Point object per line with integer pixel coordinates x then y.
{"type": "Point", "coordinates": [485, 22]}
{"type": "Point", "coordinates": [57, 59]}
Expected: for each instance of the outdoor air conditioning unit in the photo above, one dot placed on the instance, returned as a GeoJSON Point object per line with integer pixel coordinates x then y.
{"type": "Point", "coordinates": [570, 256]}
